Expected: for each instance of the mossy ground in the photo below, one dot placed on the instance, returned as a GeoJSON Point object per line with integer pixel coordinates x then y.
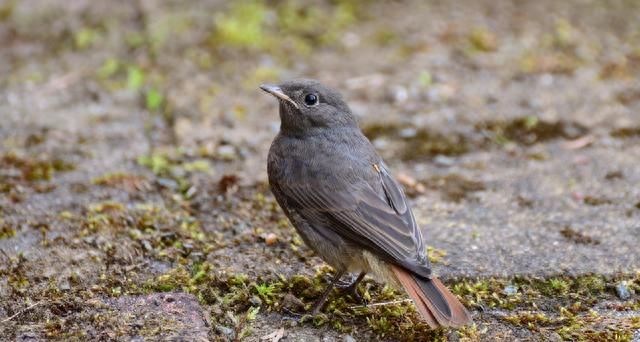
{"type": "Point", "coordinates": [132, 163]}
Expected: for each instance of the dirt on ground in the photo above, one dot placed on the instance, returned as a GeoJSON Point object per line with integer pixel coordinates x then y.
{"type": "Point", "coordinates": [133, 197]}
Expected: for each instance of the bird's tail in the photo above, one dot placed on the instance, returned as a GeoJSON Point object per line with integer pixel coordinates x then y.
{"type": "Point", "coordinates": [435, 303]}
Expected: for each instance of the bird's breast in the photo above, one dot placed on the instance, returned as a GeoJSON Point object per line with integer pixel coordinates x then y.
{"type": "Point", "coordinates": [320, 158]}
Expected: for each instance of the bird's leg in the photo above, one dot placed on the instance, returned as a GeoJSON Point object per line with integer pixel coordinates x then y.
{"type": "Point", "coordinates": [320, 302]}
{"type": "Point", "coordinates": [352, 288]}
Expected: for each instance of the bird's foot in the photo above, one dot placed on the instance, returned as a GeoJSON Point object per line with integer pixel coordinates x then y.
{"type": "Point", "coordinates": [351, 288]}
{"type": "Point", "coordinates": [337, 283]}
{"type": "Point", "coordinates": [345, 284]}
{"type": "Point", "coordinates": [289, 315]}
{"type": "Point", "coordinates": [352, 291]}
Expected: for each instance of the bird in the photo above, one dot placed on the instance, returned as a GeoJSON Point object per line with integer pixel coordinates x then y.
{"type": "Point", "coordinates": [346, 205]}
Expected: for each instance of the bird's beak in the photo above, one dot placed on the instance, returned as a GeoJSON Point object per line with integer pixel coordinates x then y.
{"type": "Point", "coordinates": [277, 92]}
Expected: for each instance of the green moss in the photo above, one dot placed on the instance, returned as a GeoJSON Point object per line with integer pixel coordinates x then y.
{"type": "Point", "coordinates": [247, 25]}
{"type": "Point", "coordinates": [106, 207]}
{"type": "Point", "coordinates": [109, 68]}
{"type": "Point", "coordinates": [557, 62]}
{"type": "Point", "coordinates": [200, 165]}
{"type": "Point", "coordinates": [36, 169]}
{"type": "Point", "coordinates": [380, 325]}
{"type": "Point", "coordinates": [176, 166]}
{"type": "Point", "coordinates": [6, 9]}
{"type": "Point", "coordinates": [177, 279]}
{"type": "Point", "coordinates": [135, 77]}
{"type": "Point", "coordinates": [119, 179]}
{"type": "Point", "coordinates": [385, 36]}
{"type": "Point", "coordinates": [301, 286]}
{"type": "Point", "coordinates": [590, 285]}
{"type": "Point", "coordinates": [454, 187]}
{"type": "Point", "coordinates": [530, 130]}
{"type": "Point", "coordinates": [436, 255]}
{"type": "Point", "coordinates": [426, 143]}
{"type": "Point", "coordinates": [242, 25]}
{"type": "Point", "coordinates": [85, 38]}
{"type": "Point", "coordinates": [313, 25]}
{"type": "Point", "coordinates": [553, 286]}
{"type": "Point", "coordinates": [567, 302]}
{"type": "Point", "coordinates": [423, 144]}
{"type": "Point", "coordinates": [6, 231]}
{"type": "Point", "coordinates": [590, 328]}
{"type": "Point", "coordinates": [626, 132]}
{"type": "Point", "coordinates": [482, 40]}
{"type": "Point", "coordinates": [573, 292]}
{"type": "Point", "coordinates": [238, 280]}
{"type": "Point", "coordinates": [532, 320]}
{"type": "Point", "coordinates": [570, 326]}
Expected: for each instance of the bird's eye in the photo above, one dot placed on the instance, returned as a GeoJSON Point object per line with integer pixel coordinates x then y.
{"type": "Point", "coordinates": [311, 99]}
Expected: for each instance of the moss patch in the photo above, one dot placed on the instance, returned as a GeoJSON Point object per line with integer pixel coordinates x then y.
{"type": "Point", "coordinates": [423, 144]}
{"type": "Point", "coordinates": [530, 130]}
{"type": "Point", "coordinates": [35, 169]}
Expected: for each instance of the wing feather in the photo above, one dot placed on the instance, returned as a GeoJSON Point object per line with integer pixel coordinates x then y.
{"type": "Point", "coordinates": [373, 214]}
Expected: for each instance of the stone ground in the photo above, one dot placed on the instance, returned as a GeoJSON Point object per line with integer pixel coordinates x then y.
{"type": "Point", "coordinates": [133, 195]}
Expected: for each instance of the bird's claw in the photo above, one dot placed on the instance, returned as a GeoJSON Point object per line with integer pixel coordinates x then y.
{"type": "Point", "coordinates": [358, 297]}
{"type": "Point", "coordinates": [343, 284]}
{"type": "Point", "coordinates": [289, 315]}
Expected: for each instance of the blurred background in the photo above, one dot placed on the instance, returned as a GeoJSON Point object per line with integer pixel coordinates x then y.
{"type": "Point", "coordinates": [133, 163]}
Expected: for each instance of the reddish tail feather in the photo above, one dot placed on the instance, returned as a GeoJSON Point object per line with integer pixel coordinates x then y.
{"type": "Point", "coordinates": [437, 306]}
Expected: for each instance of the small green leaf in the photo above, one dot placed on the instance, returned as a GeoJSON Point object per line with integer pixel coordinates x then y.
{"type": "Point", "coordinates": [531, 122]}
{"type": "Point", "coordinates": [253, 313]}
{"type": "Point", "coordinates": [154, 99]}
{"type": "Point", "coordinates": [135, 78]}
{"type": "Point", "coordinates": [200, 165]}
{"type": "Point", "coordinates": [157, 163]}
{"type": "Point", "coordinates": [109, 68]}
{"type": "Point", "coordinates": [85, 38]}
{"type": "Point", "coordinates": [425, 78]}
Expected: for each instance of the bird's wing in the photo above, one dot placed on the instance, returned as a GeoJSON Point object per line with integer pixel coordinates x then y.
{"type": "Point", "coordinates": [375, 216]}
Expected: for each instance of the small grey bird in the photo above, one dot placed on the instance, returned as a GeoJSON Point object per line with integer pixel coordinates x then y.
{"type": "Point", "coordinates": [339, 195]}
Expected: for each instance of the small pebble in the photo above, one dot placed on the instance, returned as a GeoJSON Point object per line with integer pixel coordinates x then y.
{"type": "Point", "coordinates": [441, 160]}
{"type": "Point", "coordinates": [350, 39]}
{"type": "Point", "coordinates": [255, 300]}
{"type": "Point", "coordinates": [192, 191]}
{"type": "Point", "coordinates": [546, 80]}
{"type": "Point", "coordinates": [349, 338]}
{"type": "Point", "coordinates": [228, 332]}
{"type": "Point", "coordinates": [623, 291]}
{"type": "Point", "coordinates": [408, 132]}
{"type": "Point", "coordinates": [292, 302]}
{"type": "Point", "coordinates": [510, 290]}
{"type": "Point", "coordinates": [147, 245]}
{"type": "Point", "coordinates": [380, 143]}
{"type": "Point", "coordinates": [197, 256]}
{"type": "Point", "coordinates": [271, 239]}
{"type": "Point", "coordinates": [227, 152]}
{"type": "Point", "coordinates": [406, 180]}
{"type": "Point", "coordinates": [399, 94]}
{"type": "Point", "coordinates": [578, 196]}
{"type": "Point", "coordinates": [64, 285]}
{"type": "Point", "coordinates": [168, 183]}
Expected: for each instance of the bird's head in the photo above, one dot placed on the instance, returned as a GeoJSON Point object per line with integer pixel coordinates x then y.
{"type": "Point", "coordinates": [307, 106]}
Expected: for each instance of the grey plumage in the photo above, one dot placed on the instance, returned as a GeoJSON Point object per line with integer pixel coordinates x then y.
{"type": "Point", "coordinates": [340, 196]}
